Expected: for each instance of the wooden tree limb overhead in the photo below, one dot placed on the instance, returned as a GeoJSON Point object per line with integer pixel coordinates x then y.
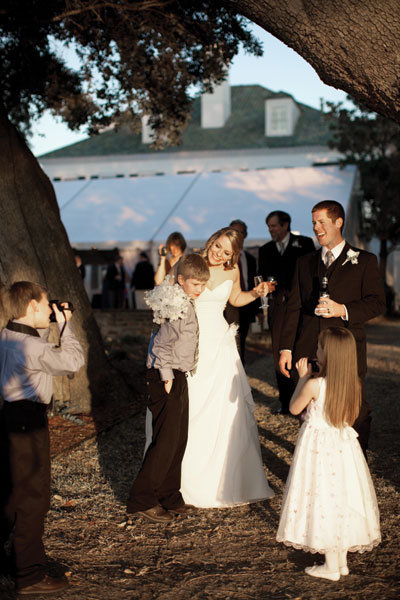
{"type": "Point", "coordinates": [77, 7]}
{"type": "Point", "coordinates": [353, 45]}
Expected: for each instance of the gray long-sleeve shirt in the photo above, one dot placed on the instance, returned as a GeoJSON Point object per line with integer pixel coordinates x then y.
{"type": "Point", "coordinates": [28, 363]}
{"type": "Point", "coordinates": [174, 346]}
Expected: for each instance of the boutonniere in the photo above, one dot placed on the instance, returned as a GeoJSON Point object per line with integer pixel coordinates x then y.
{"type": "Point", "coordinates": [296, 244]}
{"type": "Point", "coordinates": [351, 256]}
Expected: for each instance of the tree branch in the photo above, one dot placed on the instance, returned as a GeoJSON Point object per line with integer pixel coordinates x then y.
{"type": "Point", "coordinates": [101, 4]}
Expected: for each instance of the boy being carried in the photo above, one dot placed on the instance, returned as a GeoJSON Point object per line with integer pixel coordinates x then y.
{"type": "Point", "coordinates": [27, 364]}
{"type": "Point", "coordinates": [172, 355]}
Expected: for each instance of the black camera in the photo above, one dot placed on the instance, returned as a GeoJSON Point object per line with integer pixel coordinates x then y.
{"type": "Point", "coordinates": [164, 251]}
{"type": "Point", "coordinates": [59, 303]}
{"type": "Point", "coordinates": [314, 365]}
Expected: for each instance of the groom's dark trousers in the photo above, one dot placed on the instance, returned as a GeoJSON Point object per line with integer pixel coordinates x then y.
{"type": "Point", "coordinates": [159, 479]}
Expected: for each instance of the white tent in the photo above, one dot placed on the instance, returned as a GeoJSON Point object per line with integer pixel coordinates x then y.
{"type": "Point", "coordinates": [140, 212]}
{"type": "Point", "coordinates": [123, 212]}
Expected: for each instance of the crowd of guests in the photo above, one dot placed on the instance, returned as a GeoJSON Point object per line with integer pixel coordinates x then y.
{"type": "Point", "coordinates": [202, 445]}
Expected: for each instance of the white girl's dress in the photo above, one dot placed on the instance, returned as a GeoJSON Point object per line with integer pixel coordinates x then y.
{"type": "Point", "coordinates": [222, 465]}
{"type": "Point", "coordinates": [329, 503]}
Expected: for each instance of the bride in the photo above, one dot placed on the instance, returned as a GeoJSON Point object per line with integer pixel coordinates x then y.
{"type": "Point", "coordinates": [222, 465]}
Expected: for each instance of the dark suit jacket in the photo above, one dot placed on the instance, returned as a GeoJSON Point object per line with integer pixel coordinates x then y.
{"type": "Point", "coordinates": [249, 311]}
{"type": "Point", "coordinates": [357, 286]}
{"type": "Point", "coordinates": [143, 276]}
{"type": "Point", "coordinates": [271, 262]}
{"type": "Point", "coordinates": [113, 283]}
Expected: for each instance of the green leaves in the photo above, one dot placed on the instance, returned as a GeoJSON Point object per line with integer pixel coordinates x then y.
{"type": "Point", "coordinates": [137, 58]}
{"type": "Point", "coordinates": [372, 142]}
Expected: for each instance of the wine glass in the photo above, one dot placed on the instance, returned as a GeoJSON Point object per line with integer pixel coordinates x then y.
{"type": "Point", "coordinates": [271, 279]}
{"type": "Point", "coordinates": [264, 301]}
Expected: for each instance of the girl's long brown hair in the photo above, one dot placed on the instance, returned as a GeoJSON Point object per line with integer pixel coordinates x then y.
{"type": "Point", "coordinates": [339, 367]}
{"type": "Point", "coordinates": [236, 240]}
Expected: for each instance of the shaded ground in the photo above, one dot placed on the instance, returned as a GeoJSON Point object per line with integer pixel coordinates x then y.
{"type": "Point", "coordinates": [214, 554]}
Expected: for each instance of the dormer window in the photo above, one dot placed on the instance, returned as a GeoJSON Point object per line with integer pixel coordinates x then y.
{"type": "Point", "coordinates": [279, 120]}
{"type": "Point", "coordinates": [281, 116]}
{"type": "Point", "coordinates": [147, 131]}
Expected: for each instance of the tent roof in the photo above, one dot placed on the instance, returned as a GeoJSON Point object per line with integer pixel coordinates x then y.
{"type": "Point", "coordinates": [111, 212]}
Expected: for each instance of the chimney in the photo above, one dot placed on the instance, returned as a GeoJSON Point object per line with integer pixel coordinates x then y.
{"type": "Point", "coordinates": [216, 107]}
{"type": "Point", "coordinates": [147, 131]}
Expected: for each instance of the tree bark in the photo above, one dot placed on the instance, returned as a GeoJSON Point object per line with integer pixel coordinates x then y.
{"type": "Point", "coordinates": [353, 45]}
{"type": "Point", "coordinates": [34, 246]}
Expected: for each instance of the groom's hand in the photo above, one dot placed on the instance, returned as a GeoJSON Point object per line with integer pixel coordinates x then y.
{"type": "Point", "coordinates": [168, 385]}
{"type": "Point", "coordinates": [329, 308]}
{"type": "Point", "coordinates": [285, 362]}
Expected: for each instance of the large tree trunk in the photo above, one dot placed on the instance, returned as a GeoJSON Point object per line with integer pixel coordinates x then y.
{"type": "Point", "coordinates": [353, 45]}
{"type": "Point", "coordinates": [34, 246]}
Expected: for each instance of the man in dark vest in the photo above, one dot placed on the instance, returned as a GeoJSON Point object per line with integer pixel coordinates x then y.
{"type": "Point", "coordinates": [355, 296]}
{"type": "Point", "coordinates": [278, 258]}
{"type": "Point", "coordinates": [244, 315]}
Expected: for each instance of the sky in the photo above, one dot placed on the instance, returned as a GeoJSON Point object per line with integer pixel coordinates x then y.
{"type": "Point", "coordinates": [279, 69]}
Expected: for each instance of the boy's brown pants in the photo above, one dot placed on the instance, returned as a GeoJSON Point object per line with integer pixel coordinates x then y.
{"type": "Point", "coordinates": [159, 478]}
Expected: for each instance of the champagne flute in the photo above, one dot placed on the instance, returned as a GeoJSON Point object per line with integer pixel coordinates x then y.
{"type": "Point", "coordinates": [271, 279]}
{"type": "Point", "coordinates": [264, 300]}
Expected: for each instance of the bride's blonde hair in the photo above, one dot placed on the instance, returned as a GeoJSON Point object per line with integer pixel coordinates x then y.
{"type": "Point", "coordinates": [236, 240]}
{"type": "Point", "coordinates": [339, 367]}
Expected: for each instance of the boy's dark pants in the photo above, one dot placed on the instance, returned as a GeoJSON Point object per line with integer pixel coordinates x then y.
{"type": "Point", "coordinates": [24, 486]}
{"type": "Point", "coordinates": [159, 478]}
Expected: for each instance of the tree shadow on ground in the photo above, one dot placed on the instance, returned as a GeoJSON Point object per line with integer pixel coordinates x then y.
{"type": "Point", "coordinates": [265, 511]}
{"type": "Point", "coordinates": [119, 415]}
{"type": "Point", "coordinates": [120, 451]}
{"type": "Point", "coordinates": [276, 465]}
{"type": "Point", "coordinates": [377, 333]}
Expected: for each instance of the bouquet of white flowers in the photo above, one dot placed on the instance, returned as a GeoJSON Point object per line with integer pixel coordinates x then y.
{"type": "Point", "coordinates": [167, 302]}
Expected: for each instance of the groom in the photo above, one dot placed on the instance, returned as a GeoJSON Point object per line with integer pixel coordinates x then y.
{"type": "Point", "coordinates": [356, 296]}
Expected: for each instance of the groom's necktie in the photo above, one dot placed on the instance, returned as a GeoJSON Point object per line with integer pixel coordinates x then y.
{"type": "Point", "coordinates": [196, 351]}
{"type": "Point", "coordinates": [329, 258]}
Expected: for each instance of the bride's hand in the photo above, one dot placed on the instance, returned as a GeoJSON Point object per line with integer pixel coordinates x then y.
{"type": "Point", "coordinates": [261, 290]}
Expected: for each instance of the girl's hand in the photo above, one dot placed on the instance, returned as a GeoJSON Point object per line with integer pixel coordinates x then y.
{"type": "Point", "coordinates": [303, 368]}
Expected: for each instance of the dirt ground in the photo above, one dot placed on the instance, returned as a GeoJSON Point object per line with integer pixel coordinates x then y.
{"type": "Point", "coordinates": [212, 554]}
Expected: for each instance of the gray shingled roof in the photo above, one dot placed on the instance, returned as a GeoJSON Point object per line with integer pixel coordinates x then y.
{"type": "Point", "coordinates": [243, 130]}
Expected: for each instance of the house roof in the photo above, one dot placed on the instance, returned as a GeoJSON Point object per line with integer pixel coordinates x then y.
{"type": "Point", "coordinates": [244, 129]}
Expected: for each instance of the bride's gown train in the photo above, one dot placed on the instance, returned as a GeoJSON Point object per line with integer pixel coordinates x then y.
{"type": "Point", "coordinates": [222, 465]}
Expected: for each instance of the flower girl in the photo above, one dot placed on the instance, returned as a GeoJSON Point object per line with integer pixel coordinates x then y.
{"type": "Point", "coordinates": [329, 504]}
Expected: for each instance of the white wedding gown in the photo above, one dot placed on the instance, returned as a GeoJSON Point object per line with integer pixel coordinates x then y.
{"type": "Point", "coordinates": [222, 465]}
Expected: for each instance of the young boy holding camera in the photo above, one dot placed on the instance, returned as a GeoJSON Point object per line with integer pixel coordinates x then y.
{"type": "Point", "coordinates": [172, 355]}
{"type": "Point", "coordinates": [27, 365]}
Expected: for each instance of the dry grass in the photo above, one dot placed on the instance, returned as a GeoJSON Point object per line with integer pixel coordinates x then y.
{"type": "Point", "coordinates": [225, 553]}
